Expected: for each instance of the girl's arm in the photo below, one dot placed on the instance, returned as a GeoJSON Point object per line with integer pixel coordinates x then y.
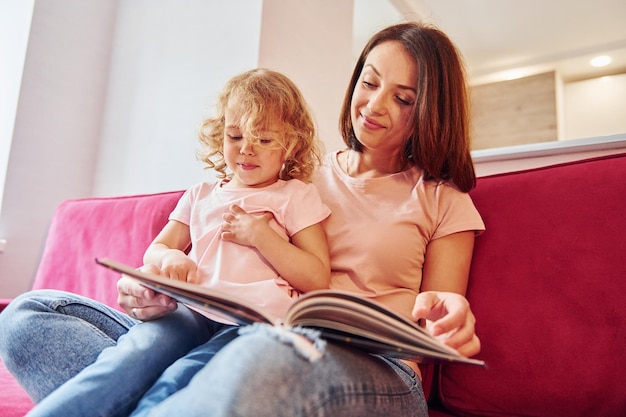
{"type": "Point", "coordinates": [167, 252]}
{"type": "Point", "coordinates": [442, 299]}
{"type": "Point", "coordinates": [303, 262]}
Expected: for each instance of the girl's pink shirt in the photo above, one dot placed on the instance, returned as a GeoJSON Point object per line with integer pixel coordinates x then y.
{"type": "Point", "coordinates": [380, 227]}
{"type": "Point", "coordinates": [241, 270]}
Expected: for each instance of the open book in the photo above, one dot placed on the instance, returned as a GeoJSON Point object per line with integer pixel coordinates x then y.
{"type": "Point", "coordinates": [340, 316]}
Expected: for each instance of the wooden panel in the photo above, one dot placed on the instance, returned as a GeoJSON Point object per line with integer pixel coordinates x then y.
{"type": "Point", "coordinates": [514, 112]}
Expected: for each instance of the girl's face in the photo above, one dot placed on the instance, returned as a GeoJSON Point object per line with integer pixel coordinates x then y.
{"type": "Point", "coordinates": [384, 98]}
{"type": "Point", "coordinates": [255, 164]}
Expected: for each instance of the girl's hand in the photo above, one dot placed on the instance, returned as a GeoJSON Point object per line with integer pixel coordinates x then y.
{"type": "Point", "coordinates": [243, 228]}
{"type": "Point", "coordinates": [141, 302]}
{"type": "Point", "coordinates": [450, 319]}
{"type": "Point", "coordinates": [176, 265]}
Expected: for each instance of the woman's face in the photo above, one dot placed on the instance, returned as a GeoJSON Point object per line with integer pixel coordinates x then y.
{"type": "Point", "coordinates": [384, 98]}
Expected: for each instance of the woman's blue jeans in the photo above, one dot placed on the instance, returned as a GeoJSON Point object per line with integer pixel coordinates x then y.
{"type": "Point", "coordinates": [49, 337]}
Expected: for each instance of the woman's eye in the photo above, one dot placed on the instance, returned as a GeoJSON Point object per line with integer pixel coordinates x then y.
{"type": "Point", "coordinates": [368, 84]}
{"type": "Point", "coordinates": [404, 101]}
{"type": "Point", "coordinates": [265, 141]}
{"type": "Point", "coordinates": [235, 137]}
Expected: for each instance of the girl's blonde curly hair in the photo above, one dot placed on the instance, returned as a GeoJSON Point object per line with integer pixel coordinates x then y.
{"type": "Point", "coordinates": [265, 100]}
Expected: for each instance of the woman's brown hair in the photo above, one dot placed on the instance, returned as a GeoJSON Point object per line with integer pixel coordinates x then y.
{"type": "Point", "coordinates": [440, 142]}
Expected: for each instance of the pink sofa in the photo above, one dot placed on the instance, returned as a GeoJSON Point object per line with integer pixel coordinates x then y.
{"type": "Point", "coordinates": [547, 286]}
{"type": "Point", "coordinates": [117, 227]}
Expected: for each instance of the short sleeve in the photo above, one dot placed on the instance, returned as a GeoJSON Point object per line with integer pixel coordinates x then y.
{"type": "Point", "coordinates": [305, 207]}
{"type": "Point", "coordinates": [182, 211]}
{"type": "Point", "coordinates": [456, 212]}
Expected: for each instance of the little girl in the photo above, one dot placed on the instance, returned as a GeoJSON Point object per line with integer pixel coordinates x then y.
{"type": "Point", "coordinates": [255, 233]}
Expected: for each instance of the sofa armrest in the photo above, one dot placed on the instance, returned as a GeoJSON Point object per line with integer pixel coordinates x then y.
{"type": "Point", "coordinates": [4, 302]}
{"type": "Point", "coordinates": [84, 229]}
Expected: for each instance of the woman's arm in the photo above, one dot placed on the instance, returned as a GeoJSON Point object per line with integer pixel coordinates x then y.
{"type": "Point", "coordinates": [442, 299]}
{"type": "Point", "coordinates": [447, 263]}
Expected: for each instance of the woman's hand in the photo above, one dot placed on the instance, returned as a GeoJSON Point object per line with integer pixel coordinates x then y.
{"type": "Point", "coordinates": [140, 302]}
{"type": "Point", "coordinates": [450, 319]}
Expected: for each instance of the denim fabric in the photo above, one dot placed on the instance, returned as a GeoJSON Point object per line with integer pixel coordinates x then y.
{"type": "Point", "coordinates": [132, 356]}
{"type": "Point", "coordinates": [259, 373]}
{"type": "Point", "coordinates": [47, 337]}
{"type": "Point", "coordinates": [178, 375]}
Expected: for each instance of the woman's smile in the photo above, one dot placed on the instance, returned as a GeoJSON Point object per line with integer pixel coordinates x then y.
{"type": "Point", "coordinates": [370, 123]}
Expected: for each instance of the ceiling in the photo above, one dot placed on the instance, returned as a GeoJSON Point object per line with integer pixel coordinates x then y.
{"type": "Point", "coordinates": [505, 39]}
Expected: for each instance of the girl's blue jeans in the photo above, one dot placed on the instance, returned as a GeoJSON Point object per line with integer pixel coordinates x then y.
{"type": "Point", "coordinates": [77, 357]}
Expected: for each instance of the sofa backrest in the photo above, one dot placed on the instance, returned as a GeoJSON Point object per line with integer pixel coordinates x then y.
{"type": "Point", "coordinates": [548, 288]}
{"type": "Point", "coordinates": [83, 229]}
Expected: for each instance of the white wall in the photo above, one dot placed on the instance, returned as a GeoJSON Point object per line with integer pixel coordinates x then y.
{"type": "Point", "coordinates": [595, 107]}
{"type": "Point", "coordinates": [168, 62]}
{"type": "Point", "coordinates": [313, 47]}
{"type": "Point", "coordinates": [15, 17]}
{"type": "Point", "coordinates": [55, 137]}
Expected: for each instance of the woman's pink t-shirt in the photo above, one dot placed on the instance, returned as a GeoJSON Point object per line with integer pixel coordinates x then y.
{"type": "Point", "coordinates": [380, 227]}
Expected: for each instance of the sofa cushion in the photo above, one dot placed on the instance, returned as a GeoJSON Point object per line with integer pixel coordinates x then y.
{"type": "Point", "coordinates": [547, 286]}
{"type": "Point", "coordinates": [116, 227]}
{"type": "Point", "coordinates": [13, 399]}
{"type": "Point", "coordinates": [81, 230]}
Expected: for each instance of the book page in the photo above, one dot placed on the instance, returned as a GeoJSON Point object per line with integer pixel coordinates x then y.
{"type": "Point", "coordinates": [202, 298]}
{"type": "Point", "coordinates": [366, 323]}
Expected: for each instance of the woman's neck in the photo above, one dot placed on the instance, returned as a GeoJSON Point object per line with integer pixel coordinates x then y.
{"type": "Point", "coordinates": [369, 165]}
